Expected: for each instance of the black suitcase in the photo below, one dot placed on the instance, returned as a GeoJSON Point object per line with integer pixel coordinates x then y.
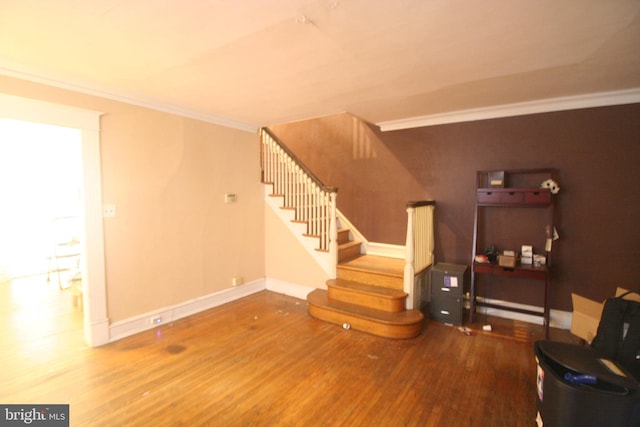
{"type": "Point", "coordinates": [575, 387]}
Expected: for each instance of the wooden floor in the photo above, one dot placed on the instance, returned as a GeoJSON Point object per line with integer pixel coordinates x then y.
{"type": "Point", "coordinates": [262, 361]}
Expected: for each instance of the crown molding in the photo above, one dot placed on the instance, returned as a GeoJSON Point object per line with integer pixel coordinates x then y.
{"type": "Point", "coordinates": [165, 108]}
{"type": "Point", "coordinates": [601, 99]}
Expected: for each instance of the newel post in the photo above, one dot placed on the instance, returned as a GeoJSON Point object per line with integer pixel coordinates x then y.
{"type": "Point", "coordinates": [409, 268]}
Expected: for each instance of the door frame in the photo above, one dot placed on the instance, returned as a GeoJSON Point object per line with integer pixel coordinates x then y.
{"type": "Point", "coordinates": [96, 321]}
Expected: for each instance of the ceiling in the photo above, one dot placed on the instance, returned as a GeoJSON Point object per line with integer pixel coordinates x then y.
{"type": "Point", "coordinates": [250, 63]}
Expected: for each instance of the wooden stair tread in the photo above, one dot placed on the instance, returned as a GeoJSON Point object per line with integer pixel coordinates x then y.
{"type": "Point", "coordinates": [376, 264]}
{"type": "Point", "coordinates": [349, 244]}
{"type": "Point", "coordinates": [366, 288]}
{"type": "Point", "coordinates": [320, 298]}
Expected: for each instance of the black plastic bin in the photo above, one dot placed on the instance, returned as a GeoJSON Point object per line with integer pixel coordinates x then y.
{"type": "Point", "coordinates": [576, 388]}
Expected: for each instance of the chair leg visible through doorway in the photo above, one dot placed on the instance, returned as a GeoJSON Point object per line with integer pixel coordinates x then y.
{"type": "Point", "coordinates": [75, 289]}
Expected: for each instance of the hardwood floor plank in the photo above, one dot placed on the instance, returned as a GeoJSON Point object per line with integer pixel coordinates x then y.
{"type": "Point", "coordinates": [262, 361]}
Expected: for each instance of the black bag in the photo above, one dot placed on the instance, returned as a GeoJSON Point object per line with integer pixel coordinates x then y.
{"type": "Point", "coordinates": [618, 336]}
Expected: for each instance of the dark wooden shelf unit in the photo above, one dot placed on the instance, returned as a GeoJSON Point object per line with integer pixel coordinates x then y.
{"type": "Point", "coordinates": [507, 197]}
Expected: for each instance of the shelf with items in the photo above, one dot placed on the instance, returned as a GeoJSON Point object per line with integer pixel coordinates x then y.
{"type": "Point", "coordinates": [525, 271]}
{"type": "Point", "coordinates": [513, 189]}
{"type": "Point", "coordinates": [540, 273]}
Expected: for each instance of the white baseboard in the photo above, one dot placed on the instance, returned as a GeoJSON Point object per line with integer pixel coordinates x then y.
{"type": "Point", "coordinates": [97, 333]}
{"type": "Point", "coordinates": [557, 318]}
{"type": "Point", "coordinates": [385, 249]}
{"type": "Point", "coordinates": [143, 322]}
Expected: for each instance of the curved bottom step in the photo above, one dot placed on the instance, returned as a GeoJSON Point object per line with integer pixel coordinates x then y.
{"type": "Point", "coordinates": [401, 325]}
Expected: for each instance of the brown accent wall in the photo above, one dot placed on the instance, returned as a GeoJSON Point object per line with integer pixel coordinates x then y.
{"type": "Point", "coordinates": [596, 152]}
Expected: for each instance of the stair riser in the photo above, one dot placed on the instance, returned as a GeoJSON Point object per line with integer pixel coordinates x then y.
{"type": "Point", "coordinates": [348, 253]}
{"type": "Point", "coordinates": [371, 278]}
{"type": "Point", "coordinates": [391, 305]}
{"type": "Point", "coordinates": [404, 331]}
{"type": "Point", "coordinates": [343, 236]}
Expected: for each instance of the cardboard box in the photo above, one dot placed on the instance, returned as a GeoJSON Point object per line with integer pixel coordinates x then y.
{"type": "Point", "coordinates": [585, 318]}
{"type": "Point", "coordinates": [586, 314]}
{"type": "Point", "coordinates": [508, 261]}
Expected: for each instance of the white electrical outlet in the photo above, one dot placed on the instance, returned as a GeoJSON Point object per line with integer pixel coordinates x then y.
{"type": "Point", "coordinates": [109, 211]}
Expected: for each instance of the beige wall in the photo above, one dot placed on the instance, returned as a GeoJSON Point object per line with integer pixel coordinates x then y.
{"type": "Point", "coordinates": [173, 238]}
{"type": "Point", "coordinates": [286, 258]}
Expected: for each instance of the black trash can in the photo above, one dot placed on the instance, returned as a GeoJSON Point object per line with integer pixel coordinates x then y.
{"type": "Point", "coordinates": [577, 388]}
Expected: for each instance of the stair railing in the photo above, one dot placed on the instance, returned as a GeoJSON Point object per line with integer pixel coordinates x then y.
{"type": "Point", "coordinates": [419, 246]}
{"type": "Point", "coordinates": [313, 202]}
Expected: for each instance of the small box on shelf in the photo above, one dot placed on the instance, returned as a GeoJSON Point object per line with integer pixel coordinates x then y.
{"type": "Point", "coordinates": [496, 179]}
{"type": "Point", "coordinates": [539, 260]}
{"type": "Point", "coordinates": [526, 256]}
{"type": "Point", "coordinates": [508, 259]}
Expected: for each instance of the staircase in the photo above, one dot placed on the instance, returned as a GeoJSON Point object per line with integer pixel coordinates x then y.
{"type": "Point", "coordinates": [367, 294]}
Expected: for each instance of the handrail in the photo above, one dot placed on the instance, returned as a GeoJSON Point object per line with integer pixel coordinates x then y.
{"type": "Point", "coordinates": [296, 160]}
{"type": "Point", "coordinates": [417, 204]}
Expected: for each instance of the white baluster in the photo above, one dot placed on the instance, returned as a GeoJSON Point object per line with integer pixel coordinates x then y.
{"type": "Point", "coordinates": [312, 203]}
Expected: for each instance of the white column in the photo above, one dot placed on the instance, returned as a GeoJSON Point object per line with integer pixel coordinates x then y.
{"type": "Point", "coordinates": [409, 269]}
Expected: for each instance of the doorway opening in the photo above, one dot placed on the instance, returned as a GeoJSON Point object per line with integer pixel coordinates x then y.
{"type": "Point", "coordinates": [94, 303]}
{"type": "Point", "coordinates": [41, 229]}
